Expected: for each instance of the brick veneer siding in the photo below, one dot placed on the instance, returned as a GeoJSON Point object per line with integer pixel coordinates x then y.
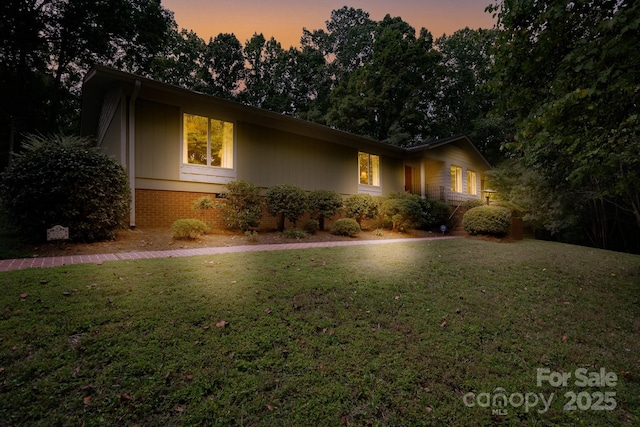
{"type": "Point", "coordinates": [160, 209]}
{"type": "Point", "coordinates": [155, 208]}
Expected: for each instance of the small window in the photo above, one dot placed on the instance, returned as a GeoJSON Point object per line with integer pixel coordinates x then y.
{"type": "Point", "coordinates": [472, 186]}
{"type": "Point", "coordinates": [369, 169]}
{"type": "Point", "coordinates": [456, 179]}
{"type": "Point", "coordinates": [207, 142]}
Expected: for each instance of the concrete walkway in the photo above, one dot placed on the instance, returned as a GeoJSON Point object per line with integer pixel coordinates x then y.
{"type": "Point", "coordinates": [44, 262]}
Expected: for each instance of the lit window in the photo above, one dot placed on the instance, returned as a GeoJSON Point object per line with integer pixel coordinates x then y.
{"type": "Point", "coordinates": [456, 179]}
{"type": "Point", "coordinates": [207, 142]}
{"type": "Point", "coordinates": [369, 169]}
{"type": "Point", "coordinates": [472, 187]}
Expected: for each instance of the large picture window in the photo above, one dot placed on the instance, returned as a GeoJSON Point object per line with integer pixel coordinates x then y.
{"type": "Point", "coordinates": [369, 169]}
{"type": "Point", "coordinates": [456, 179]}
{"type": "Point", "coordinates": [207, 142]}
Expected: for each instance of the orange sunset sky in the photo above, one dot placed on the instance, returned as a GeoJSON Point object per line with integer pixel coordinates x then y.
{"type": "Point", "coordinates": [285, 19]}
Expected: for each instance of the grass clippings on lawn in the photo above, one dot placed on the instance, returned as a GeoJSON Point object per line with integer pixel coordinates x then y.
{"type": "Point", "coordinates": [416, 333]}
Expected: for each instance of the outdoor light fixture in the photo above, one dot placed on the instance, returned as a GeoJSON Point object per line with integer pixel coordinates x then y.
{"type": "Point", "coordinates": [488, 194]}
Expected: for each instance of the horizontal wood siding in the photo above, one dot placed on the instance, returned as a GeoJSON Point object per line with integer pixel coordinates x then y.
{"type": "Point", "coordinates": [438, 171]}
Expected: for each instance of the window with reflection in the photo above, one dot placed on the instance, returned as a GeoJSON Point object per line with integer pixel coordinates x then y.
{"type": "Point", "coordinates": [207, 141]}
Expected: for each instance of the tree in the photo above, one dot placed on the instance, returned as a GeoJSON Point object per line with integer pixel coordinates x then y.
{"type": "Point", "coordinates": [347, 44]}
{"type": "Point", "coordinates": [286, 201]}
{"type": "Point", "coordinates": [465, 99]}
{"type": "Point", "coordinates": [324, 204]}
{"type": "Point", "coordinates": [182, 62]}
{"type": "Point", "coordinates": [570, 74]}
{"type": "Point", "coordinates": [48, 46]}
{"type": "Point", "coordinates": [224, 61]}
{"type": "Point", "coordinates": [388, 98]}
{"type": "Point", "coordinates": [361, 207]}
{"type": "Point", "coordinates": [265, 81]}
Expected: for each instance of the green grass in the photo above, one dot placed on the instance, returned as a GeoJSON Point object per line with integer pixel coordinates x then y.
{"type": "Point", "coordinates": [393, 334]}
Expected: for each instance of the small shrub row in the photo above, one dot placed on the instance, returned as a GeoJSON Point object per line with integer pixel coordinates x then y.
{"type": "Point", "coordinates": [243, 208]}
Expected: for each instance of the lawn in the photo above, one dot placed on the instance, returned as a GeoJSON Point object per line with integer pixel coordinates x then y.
{"type": "Point", "coordinates": [450, 332]}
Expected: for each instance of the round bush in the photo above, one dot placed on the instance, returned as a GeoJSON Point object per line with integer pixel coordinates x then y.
{"type": "Point", "coordinates": [324, 204]}
{"type": "Point", "coordinates": [345, 227]}
{"type": "Point", "coordinates": [188, 228]}
{"type": "Point", "coordinates": [242, 207]}
{"type": "Point", "coordinates": [286, 201]}
{"type": "Point", "coordinates": [492, 220]}
{"type": "Point", "coordinates": [311, 226]}
{"type": "Point", "coordinates": [361, 207]}
{"type": "Point", "coordinates": [62, 180]}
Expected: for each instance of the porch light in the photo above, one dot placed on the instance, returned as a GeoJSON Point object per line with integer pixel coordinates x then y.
{"type": "Point", "coordinates": [488, 194]}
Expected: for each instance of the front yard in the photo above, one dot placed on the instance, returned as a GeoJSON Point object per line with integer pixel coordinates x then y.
{"type": "Point", "coordinates": [449, 332]}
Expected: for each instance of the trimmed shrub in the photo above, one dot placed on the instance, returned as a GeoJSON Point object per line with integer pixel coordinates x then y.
{"type": "Point", "coordinates": [242, 207]}
{"type": "Point", "coordinates": [345, 227]}
{"type": "Point", "coordinates": [361, 207]}
{"type": "Point", "coordinates": [324, 204]}
{"type": "Point", "coordinates": [311, 226]}
{"type": "Point", "coordinates": [188, 229]}
{"type": "Point", "coordinates": [491, 220]}
{"type": "Point", "coordinates": [63, 180]}
{"type": "Point", "coordinates": [286, 201]}
{"type": "Point", "coordinates": [405, 211]}
{"type": "Point", "coordinates": [473, 203]}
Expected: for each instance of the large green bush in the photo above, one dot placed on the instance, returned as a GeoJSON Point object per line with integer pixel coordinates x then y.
{"type": "Point", "coordinates": [345, 227]}
{"type": "Point", "coordinates": [242, 207]}
{"type": "Point", "coordinates": [324, 204]}
{"type": "Point", "coordinates": [361, 207]}
{"type": "Point", "coordinates": [286, 201]}
{"type": "Point", "coordinates": [405, 211]}
{"type": "Point", "coordinates": [63, 180]}
{"type": "Point", "coordinates": [491, 220]}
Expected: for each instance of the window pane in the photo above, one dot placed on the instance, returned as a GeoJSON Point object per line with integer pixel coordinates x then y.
{"type": "Point", "coordinates": [456, 179]}
{"type": "Point", "coordinates": [195, 139]}
{"type": "Point", "coordinates": [375, 171]}
{"type": "Point", "coordinates": [221, 144]}
{"type": "Point", "coordinates": [471, 183]}
{"type": "Point", "coordinates": [364, 168]}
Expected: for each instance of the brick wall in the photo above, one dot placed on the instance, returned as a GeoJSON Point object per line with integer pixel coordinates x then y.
{"type": "Point", "coordinates": [156, 208]}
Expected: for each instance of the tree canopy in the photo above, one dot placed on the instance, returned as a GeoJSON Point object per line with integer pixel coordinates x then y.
{"type": "Point", "coordinates": [569, 73]}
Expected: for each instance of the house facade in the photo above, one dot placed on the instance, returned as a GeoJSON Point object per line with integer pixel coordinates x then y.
{"type": "Point", "coordinates": [178, 145]}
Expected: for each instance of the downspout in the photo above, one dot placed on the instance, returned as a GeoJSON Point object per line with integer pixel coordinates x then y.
{"type": "Point", "coordinates": [132, 152]}
{"type": "Point", "coordinates": [423, 177]}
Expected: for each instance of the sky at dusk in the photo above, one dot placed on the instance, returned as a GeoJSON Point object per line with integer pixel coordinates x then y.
{"type": "Point", "coordinates": [285, 19]}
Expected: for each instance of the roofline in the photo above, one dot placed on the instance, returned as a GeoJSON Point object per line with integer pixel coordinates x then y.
{"type": "Point", "coordinates": [300, 126]}
{"type": "Point", "coordinates": [448, 140]}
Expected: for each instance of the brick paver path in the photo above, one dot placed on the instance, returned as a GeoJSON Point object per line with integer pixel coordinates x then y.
{"type": "Point", "coordinates": [22, 263]}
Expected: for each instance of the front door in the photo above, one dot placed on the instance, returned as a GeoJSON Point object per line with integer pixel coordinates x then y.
{"type": "Point", "coordinates": [408, 179]}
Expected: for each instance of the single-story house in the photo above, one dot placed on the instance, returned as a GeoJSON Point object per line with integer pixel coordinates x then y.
{"type": "Point", "coordinates": [178, 145]}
